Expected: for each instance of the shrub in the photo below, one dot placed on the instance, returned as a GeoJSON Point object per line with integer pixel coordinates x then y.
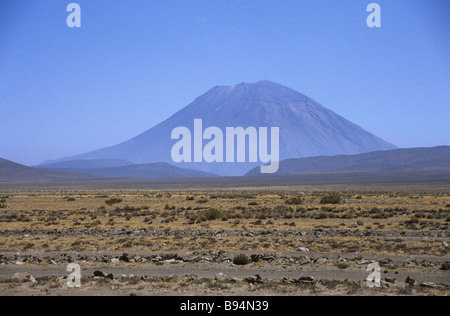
{"type": "Point", "coordinates": [413, 220]}
{"type": "Point", "coordinates": [213, 214]}
{"type": "Point", "coordinates": [253, 203]}
{"type": "Point", "coordinates": [241, 260]}
{"type": "Point", "coordinates": [113, 201]}
{"type": "Point", "coordinates": [333, 198]}
{"type": "Point", "coordinates": [190, 198]}
{"type": "Point", "coordinates": [202, 201]}
{"type": "Point", "coordinates": [295, 201]}
{"type": "Point", "coordinates": [342, 265]}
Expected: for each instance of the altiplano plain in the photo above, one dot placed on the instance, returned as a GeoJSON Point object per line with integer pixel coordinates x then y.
{"type": "Point", "coordinates": [247, 241]}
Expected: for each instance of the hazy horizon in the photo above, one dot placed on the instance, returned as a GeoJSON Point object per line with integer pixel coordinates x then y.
{"type": "Point", "coordinates": [67, 91]}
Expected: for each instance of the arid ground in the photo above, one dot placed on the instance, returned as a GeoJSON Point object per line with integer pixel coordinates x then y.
{"type": "Point", "coordinates": [298, 240]}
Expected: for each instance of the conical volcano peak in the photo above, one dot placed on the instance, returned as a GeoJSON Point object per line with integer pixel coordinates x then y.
{"type": "Point", "coordinates": [262, 96]}
{"type": "Point", "coordinates": [306, 128]}
{"type": "Point", "coordinates": [260, 88]}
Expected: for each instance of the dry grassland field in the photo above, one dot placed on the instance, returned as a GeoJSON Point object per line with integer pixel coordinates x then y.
{"type": "Point", "coordinates": [254, 241]}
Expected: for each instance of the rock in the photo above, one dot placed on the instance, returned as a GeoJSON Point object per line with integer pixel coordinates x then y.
{"type": "Point", "coordinates": [362, 262]}
{"type": "Point", "coordinates": [429, 285]}
{"type": "Point", "coordinates": [254, 279]}
{"type": "Point", "coordinates": [125, 258]}
{"type": "Point", "coordinates": [224, 257]}
{"type": "Point", "coordinates": [115, 260]}
{"type": "Point", "coordinates": [302, 249]}
{"type": "Point", "coordinates": [268, 258]}
{"type": "Point", "coordinates": [191, 257]}
{"type": "Point", "coordinates": [21, 277]}
{"type": "Point", "coordinates": [444, 245]}
{"type": "Point", "coordinates": [110, 276]}
{"type": "Point", "coordinates": [32, 279]}
{"type": "Point", "coordinates": [306, 279]}
{"type": "Point", "coordinates": [99, 274]}
{"type": "Point", "coordinates": [256, 258]}
{"type": "Point", "coordinates": [220, 277]}
{"type": "Point", "coordinates": [304, 262]}
{"type": "Point", "coordinates": [445, 266]}
{"type": "Point", "coordinates": [410, 281]}
{"type": "Point", "coordinates": [390, 280]}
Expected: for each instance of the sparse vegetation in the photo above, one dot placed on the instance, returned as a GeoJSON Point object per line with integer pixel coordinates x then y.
{"type": "Point", "coordinates": [263, 227]}
{"type": "Point", "coordinates": [295, 200]}
{"type": "Point", "coordinates": [332, 198]}
{"type": "Point", "coordinates": [213, 214]}
{"type": "Point", "coordinates": [113, 201]}
{"type": "Point", "coordinates": [241, 260]}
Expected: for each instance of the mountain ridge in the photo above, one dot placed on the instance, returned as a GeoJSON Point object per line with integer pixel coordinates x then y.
{"type": "Point", "coordinates": [401, 159]}
{"type": "Point", "coordinates": [138, 171]}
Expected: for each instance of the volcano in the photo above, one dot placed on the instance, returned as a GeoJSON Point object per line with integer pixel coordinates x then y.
{"type": "Point", "coordinates": [306, 128]}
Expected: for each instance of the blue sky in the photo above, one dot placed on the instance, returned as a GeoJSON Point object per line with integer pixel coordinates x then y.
{"type": "Point", "coordinates": [132, 64]}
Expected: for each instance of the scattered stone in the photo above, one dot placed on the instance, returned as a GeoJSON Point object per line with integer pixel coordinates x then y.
{"type": "Point", "coordinates": [99, 274]}
{"type": "Point", "coordinates": [429, 285]}
{"type": "Point", "coordinates": [302, 249]}
{"type": "Point", "coordinates": [390, 280]}
{"type": "Point", "coordinates": [224, 257]}
{"type": "Point", "coordinates": [306, 279]}
{"type": "Point", "coordinates": [220, 276]}
{"type": "Point", "coordinates": [269, 258]}
{"type": "Point", "coordinates": [410, 281]}
{"type": "Point", "coordinates": [445, 266]}
{"type": "Point", "coordinates": [254, 279]}
{"type": "Point", "coordinates": [125, 258]}
{"type": "Point", "coordinates": [21, 277]}
{"type": "Point", "coordinates": [362, 262]}
{"type": "Point", "coordinates": [115, 282]}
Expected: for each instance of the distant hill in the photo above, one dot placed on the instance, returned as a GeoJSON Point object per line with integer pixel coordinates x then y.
{"type": "Point", "coordinates": [11, 172]}
{"type": "Point", "coordinates": [306, 128]}
{"type": "Point", "coordinates": [85, 164]}
{"type": "Point", "coordinates": [392, 160]}
{"type": "Point", "coordinates": [143, 171]}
